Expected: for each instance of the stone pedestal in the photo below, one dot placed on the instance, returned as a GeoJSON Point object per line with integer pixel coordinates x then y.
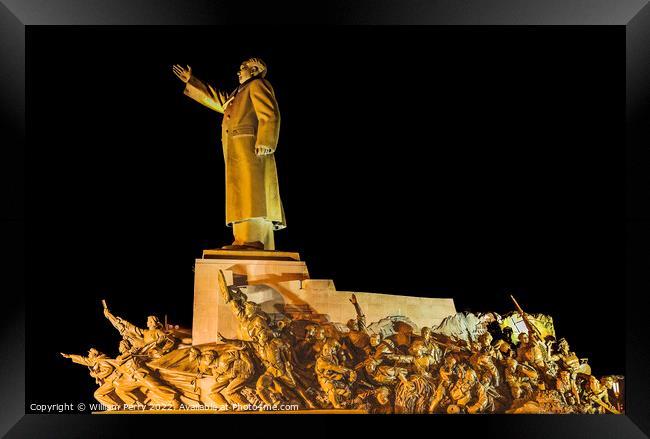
{"type": "Point", "coordinates": [279, 282]}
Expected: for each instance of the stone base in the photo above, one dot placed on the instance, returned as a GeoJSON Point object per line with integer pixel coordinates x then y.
{"type": "Point", "coordinates": [267, 255]}
{"type": "Point", "coordinates": [283, 286]}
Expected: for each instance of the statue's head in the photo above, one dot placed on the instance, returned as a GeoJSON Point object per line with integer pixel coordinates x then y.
{"type": "Point", "coordinates": [194, 353]}
{"type": "Point", "coordinates": [418, 348]}
{"type": "Point", "coordinates": [264, 336]}
{"type": "Point", "coordinates": [523, 338]}
{"type": "Point", "coordinates": [375, 339]}
{"type": "Point", "coordinates": [352, 325]}
{"type": "Point", "coordinates": [93, 353]}
{"type": "Point", "coordinates": [250, 308]}
{"type": "Point", "coordinates": [209, 356]}
{"type": "Point", "coordinates": [403, 333]}
{"type": "Point", "coordinates": [330, 347]}
{"type": "Point", "coordinates": [563, 345]}
{"type": "Point", "coordinates": [251, 68]}
{"type": "Point", "coordinates": [426, 333]}
{"type": "Point", "coordinates": [124, 347]}
{"type": "Point", "coordinates": [310, 332]}
{"type": "Point", "coordinates": [153, 322]}
{"type": "Point", "coordinates": [485, 339]}
{"type": "Point", "coordinates": [607, 382]}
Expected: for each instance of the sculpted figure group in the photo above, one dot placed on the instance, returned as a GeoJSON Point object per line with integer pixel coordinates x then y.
{"type": "Point", "coordinates": [317, 366]}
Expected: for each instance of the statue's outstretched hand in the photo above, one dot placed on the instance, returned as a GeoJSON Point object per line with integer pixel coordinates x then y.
{"type": "Point", "coordinates": [64, 355]}
{"type": "Point", "coordinates": [183, 75]}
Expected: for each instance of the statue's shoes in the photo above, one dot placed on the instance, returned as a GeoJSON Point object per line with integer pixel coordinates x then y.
{"type": "Point", "coordinates": [247, 246]}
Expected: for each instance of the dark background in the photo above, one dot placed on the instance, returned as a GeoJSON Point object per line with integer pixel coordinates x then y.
{"type": "Point", "coordinates": [470, 163]}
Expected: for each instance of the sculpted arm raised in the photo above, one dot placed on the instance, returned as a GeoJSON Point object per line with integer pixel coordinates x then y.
{"type": "Point", "coordinates": [198, 90]}
{"type": "Point", "coordinates": [127, 330]}
{"type": "Point", "coordinates": [79, 359]}
{"type": "Point", "coordinates": [361, 318]}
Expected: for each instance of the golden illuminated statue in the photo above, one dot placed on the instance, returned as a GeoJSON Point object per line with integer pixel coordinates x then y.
{"type": "Point", "coordinates": [307, 364]}
{"type": "Point", "coordinates": [357, 340]}
{"type": "Point", "coordinates": [153, 341]}
{"type": "Point", "coordinates": [232, 369]}
{"type": "Point", "coordinates": [249, 135]}
{"type": "Point", "coordinates": [135, 375]}
{"type": "Point", "coordinates": [334, 378]}
{"type": "Point", "coordinates": [251, 319]}
{"type": "Point", "coordinates": [104, 372]}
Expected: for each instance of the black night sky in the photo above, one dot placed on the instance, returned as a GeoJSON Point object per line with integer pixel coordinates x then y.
{"type": "Point", "coordinates": [459, 162]}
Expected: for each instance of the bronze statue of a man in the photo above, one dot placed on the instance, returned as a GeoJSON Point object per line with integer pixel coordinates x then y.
{"type": "Point", "coordinates": [249, 135]}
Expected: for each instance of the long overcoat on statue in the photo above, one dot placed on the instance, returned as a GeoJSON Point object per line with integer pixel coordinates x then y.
{"type": "Point", "coordinates": [250, 117]}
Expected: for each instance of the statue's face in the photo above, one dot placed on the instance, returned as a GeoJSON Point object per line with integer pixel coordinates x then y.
{"type": "Point", "coordinates": [151, 322]}
{"type": "Point", "coordinates": [564, 347]}
{"type": "Point", "coordinates": [375, 339]}
{"type": "Point", "coordinates": [246, 72]}
{"type": "Point", "coordinates": [263, 337]}
{"type": "Point", "coordinates": [487, 339]}
{"type": "Point", "coordinates": [124, 347]}
{"type": "Point", "coordinates": [352, 325]}
{"type": "Point", "coordinates": [249, 309]}
{"type": "Point", "coordinates": [523, 338]}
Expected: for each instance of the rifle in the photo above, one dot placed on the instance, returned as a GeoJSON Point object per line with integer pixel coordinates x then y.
{"type": "Point", "coordinates": [603, 405]}
{"type": "Point", "coordinates": [531, 328]}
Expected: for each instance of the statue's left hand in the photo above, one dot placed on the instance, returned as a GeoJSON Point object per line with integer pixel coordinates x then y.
{"type": "Point", "coordinates": [262, 150]}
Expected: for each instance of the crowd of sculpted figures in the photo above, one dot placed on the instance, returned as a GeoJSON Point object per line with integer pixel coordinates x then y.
{"type": "Point", "coordinates": [314, 365]}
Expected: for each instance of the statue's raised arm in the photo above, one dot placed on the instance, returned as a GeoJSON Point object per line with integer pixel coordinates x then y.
{"type": "Point", "coordinates": [127, 330]}
{"type": "Point", "coordinates": [200, 91]}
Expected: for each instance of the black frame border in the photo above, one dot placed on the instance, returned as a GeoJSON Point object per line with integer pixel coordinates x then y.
{"type": "Point", "coordinates": [633, 14]}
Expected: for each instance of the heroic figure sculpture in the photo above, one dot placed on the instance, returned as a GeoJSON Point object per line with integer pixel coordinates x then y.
{"type": "Point", "coordinates": [233, 369]}
{"type": "Point", "coordinates": [334, 378]}
{"type": "Point", "coordinates": [153, 341]}
{"type": "Point", "coordinates": [104, 372]}
{"type": "Point", "coordinates": [249, 135]}
{"type": "Point", "coordinates": [134, 374]}
{"type": "Point", "coordinates": [357, 339]}
{"type": "Point", "coordinates": [251, 319]}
